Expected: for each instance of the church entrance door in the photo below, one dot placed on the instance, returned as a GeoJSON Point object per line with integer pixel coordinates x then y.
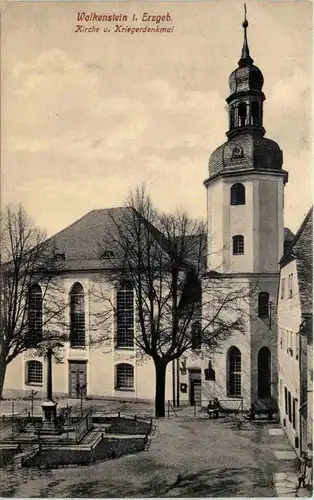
{"type": "Point", "coordinates": [195, 387]}
{"type": "Point", "coordinates": [77, 379]}
{"type": "Point", "coordinates": [264, 373]}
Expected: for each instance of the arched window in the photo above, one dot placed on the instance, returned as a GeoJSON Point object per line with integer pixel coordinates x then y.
{"type": "Point", "coordinates": [35, 315]}
{"type": "Point", "coordinates": [238, 244]}
{"type": "Point", "coordinates": [255, 113]}
{"type": "Point", "coordinates": [34, 372]}
{"type": "Point", "coordinates": [234, 372]}
{"type": "Point", "coordinates": [196, 331]}
{"type": "Point", "coordinates": [125, 315]}
{"type": "Point", "coordinates": [263, 304]}
{"type": "Point", "coordinates": [264, 372]}
{"type": "Point", "coordinates": [124, 376]}
{"type": "Point", "coordinates": [77, 316]}
{"type": "Point", "coordinates": [231, 118]}
{"type": "Point", "coordinates": [242, 114]}
{"type": "Point", "coordinates": [237, 194]}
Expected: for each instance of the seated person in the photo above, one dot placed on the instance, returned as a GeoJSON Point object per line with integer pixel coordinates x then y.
{"type": "Point", "coordinates": [270, 412]}
{"type": "Point", "coordinates": [211, 408]}
{"type": "Point", "coordinates": [217, 407]}
{"type": "Point", "coordinates": [251, 413]}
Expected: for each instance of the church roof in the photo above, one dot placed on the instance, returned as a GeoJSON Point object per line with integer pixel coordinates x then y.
{"type": "Point", "coordinates": [244, 152]}
{"type": "Point", "coordinates": [88, 243]}
{"type": "Point", "coordinates": [301, 250]}
{"type": "Point", "coordinates": [79, 244]}
{"type": "Point", "coordinates": [246, 77]}
{"type": "Point", "coordinates": [246, 148]}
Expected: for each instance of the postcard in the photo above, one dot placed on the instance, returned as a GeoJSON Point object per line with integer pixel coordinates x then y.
{"type": "Point", "coordinates": [156, 249]}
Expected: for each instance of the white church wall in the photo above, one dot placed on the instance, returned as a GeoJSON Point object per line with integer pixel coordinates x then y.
{"type": "Point", "coordinates": [270, 224]}
{"type": "Point", "coordinates": [239, 221]}
{"type": "Point", "coordinates": [215, 226]}
{"type": "Point", "coordinates": [264, 334]}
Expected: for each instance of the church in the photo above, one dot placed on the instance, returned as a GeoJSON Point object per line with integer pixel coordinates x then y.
{"type": "Point", "coordinates": [245, 199]}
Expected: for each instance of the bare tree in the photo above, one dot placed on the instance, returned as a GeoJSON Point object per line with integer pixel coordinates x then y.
{"type": "Point", "coordinates": [179, 305]}
{"type": "Point", "coordinates": [31, 301]}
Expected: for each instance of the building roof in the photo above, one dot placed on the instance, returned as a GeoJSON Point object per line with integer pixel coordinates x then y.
{"type": "Point", "coordinates": [90, 243]}
{"type": "Point", "coordinates": [288, 238]}
{"type": "Point", "coordinates": [301, 250]}
{"type": "Point", "coordinates": [256, 154]}
{"type": "Point", "coordinates": [80, 243]}
{"type": "Point", "coordinates": [246, 77]}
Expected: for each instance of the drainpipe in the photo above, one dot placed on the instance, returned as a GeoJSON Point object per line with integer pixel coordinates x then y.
{"type": "Point", "coordinates": [178, 381]}
{"type": "Point", "coordinates": [173, 383]}
{"type": "Point", "coordinates": [301, 435]}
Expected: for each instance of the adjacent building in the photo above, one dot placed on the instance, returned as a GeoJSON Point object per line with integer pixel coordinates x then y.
{"type": "Point", "coordinates": [295, 345]}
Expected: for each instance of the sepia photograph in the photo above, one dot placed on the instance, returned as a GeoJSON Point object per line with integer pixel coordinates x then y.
{"type": "Point", "coordinates": [156, 243]}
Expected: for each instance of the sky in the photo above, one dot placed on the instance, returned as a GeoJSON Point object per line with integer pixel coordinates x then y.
{"type": "Point", "coordinates": [88, 116]}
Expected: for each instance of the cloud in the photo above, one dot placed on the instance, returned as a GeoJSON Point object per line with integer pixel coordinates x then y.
{"type": "Point", "coordinates": [290, 110]}
{"type": "Point", "coordinates": [99, 122]}
{"type": "Point", "coordinates": [84, 122]}
{"type": "Point", "coordinates": [288, 92]}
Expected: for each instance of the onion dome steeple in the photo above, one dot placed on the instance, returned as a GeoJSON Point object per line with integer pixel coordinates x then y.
{"type": "Point", "coordinates": [246, 96]}
{"type": "Point", "coordinates": [246, 148]}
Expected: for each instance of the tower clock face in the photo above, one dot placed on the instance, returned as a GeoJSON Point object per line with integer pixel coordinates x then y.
{"type": "Point", "coordinates": [237, 152]}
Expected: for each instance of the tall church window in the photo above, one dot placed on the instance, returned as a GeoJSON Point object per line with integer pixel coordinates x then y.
{"type": "Point", "coordinates": [196, 330]}
{"type": "Point", "coordinates": [124, 376]}
{"type": "Point", "coordinates": [238, 244]}
{"type": "Point", "coordinates": [35, 315]}
{"type": "Point", "coordinates": [77, 316]}
{"type": "Point", "coordinates": [237, 194]}
{"type": "Point", "coordinates": [234, 372]}
{"type": "Point", "coordinates": [242, 114]}
{"type": "Point", "coordinates": [263, 304]}
{"type": "Point", "coordinates": [125, 315]}
{"type": "Point", "coordinates": [255, 113]}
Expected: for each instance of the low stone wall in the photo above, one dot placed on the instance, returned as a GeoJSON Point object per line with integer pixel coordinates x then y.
{"type": "Point", "coordinates": [18, 394]}
{"type": "Point", "coordinates": [105, 449]}
{"type": "Point", "coordinates": [117, 447]}
{"type": "Point", "coordinates": [7, 454]}
{"type": "Point", "coordinates": [123, 425]}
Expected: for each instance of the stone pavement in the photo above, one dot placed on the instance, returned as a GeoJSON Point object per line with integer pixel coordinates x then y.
{"type": "Point", "coordinates": [257, 458]}
{"type": "Point", "coordinates": [285, 482]}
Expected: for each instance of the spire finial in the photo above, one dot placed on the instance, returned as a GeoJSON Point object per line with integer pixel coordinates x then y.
{"type": "Point", "coordinates": [246, 59]}
{"type": "Point", "coordinates": [245, 23]}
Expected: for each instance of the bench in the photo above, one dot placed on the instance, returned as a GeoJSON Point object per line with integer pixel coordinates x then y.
{"type": "Point", "coordinates": [262, 415]}
{"type": "Point", "coordinates": [269, 412]}
{"type": "Point", "coordinates": [213, 412]}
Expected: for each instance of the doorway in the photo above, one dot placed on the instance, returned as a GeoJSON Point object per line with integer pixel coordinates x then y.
{"type": "Point", "coordinates": [264, 373]}
{"type": "Point", "coordinates": [195, 384]}
{"type": "Point", "coordinates": [77, 379]}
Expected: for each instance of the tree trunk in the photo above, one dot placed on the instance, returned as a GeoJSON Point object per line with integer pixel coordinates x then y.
{"type": "Point", "coordinates": [160, 370]}
{"type": "Point", "coordinates": [3, 368]}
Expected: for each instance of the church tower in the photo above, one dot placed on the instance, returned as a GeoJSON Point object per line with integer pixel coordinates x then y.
{"type": "Point", "coordinates": [245, 183]}
{"type": "Point", "coordinates": [245, 196]}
